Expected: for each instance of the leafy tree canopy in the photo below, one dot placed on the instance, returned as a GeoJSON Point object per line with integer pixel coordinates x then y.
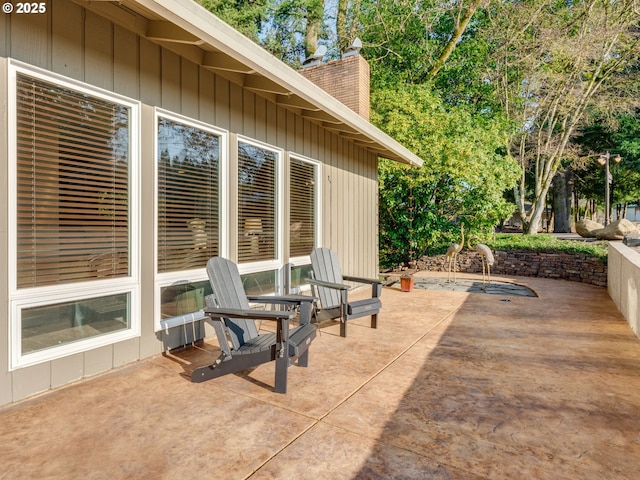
{"type": "Point", "coordinates": [463, 178]}
{"type": "Point", "coordinates": [246, 16]}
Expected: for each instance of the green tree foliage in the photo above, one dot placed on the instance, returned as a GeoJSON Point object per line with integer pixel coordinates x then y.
{"type": "Point", "coordinates": [627, 139]}
{"type": "Point", "coordinates": [412, 41]}
{"type": "Point", "coordinates": [246, 16]}
{"type": "Point", "coordinates": [554, 64]}
{"type": "Point", "coordinates": [346, 23]}
{"type": "Point", "coordinates": [463, 178]}
{"type": "Point", "coordinates": [620, 136]}
{"type": "Point", "coordinates": [293, 29]}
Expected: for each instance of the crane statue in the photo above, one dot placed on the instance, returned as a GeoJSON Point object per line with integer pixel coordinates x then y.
{"type": "Point", "coordinates": [486, 255]}
{"type": "Point", "coordinates": [452, 255]}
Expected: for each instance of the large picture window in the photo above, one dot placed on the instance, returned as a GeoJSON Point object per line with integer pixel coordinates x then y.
{"type": "Point", "coordinates": [188, 195]}
{"type": "Point", "coordinates": [258, 203]}
{"type": "Point", "coordinates": [73, 185]}
{"type": "Point", "coordinates": [189, 211]}
{"type": "Point", "coordinates": [73, 175]}
{"type": "Point", "coordinates": [303, 207]}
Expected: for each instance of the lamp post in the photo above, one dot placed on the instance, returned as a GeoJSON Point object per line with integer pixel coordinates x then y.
{"type": "Point", "coordinates": [604, 160]}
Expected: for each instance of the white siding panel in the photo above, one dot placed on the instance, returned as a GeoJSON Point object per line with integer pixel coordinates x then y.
{"type": "Point", "coordinates": [170, 81]}
{"type": "Point", "coordinates": [189, 91]}
{"type": "Point", "coordinates": [150, 73]}
{"type": "Point", "coordinates": [126, 352]}
{"type": "Point", "coordinates": [31, 380]}
{"type": "Point", "coordinates": [236, 95]}
{"type": "Point", "coordinates": [281, 122]}
{"type": "Point", "coordinates": [271, 123]}
{"type": "Point", "coordinates": [222, 108]}
{"type": "Point", "coordinates": [249, 114]}
{"type": "Point", "coordinates": [126, 69]}
{"type": "Point", "coordinates": [66, 370]}
{"type": "Point", "coordinates": [149, 344]}
{"type": "Point", "coordinates": [260, 118]}
{"type": "Point", "coordinates": [67, 39]}
{"type": "Point", "coordinates": [6, 390]}
{"type": "Point", "coordinates": [98, 360]}
{"type": "Point", "coordinates": [29, 39]}
{"type": "Point", "coordinates": [4, 29]}
{"type": "Point", "coordinates": [98, 51]}
{"type": "Point", "coordinates": [207, 97]}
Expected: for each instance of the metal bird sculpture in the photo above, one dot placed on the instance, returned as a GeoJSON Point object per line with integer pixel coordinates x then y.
{"type": "Point", "coordinates": [452, 255]}
{"type": "Point", "coordinates": [486, 255]}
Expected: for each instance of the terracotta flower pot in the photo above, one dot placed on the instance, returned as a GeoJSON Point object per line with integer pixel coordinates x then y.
{"type": "Point", "coordinates": [406, 284]}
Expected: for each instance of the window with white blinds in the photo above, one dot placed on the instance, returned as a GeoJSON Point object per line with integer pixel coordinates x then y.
{"type": "Point", "coordinates": [188, 195]}
{"type": "Point", "coordinates": [257, 203]}
{"type": "Point", "coordinates": [74, 235]}
{"type": "Point", "coordinates": [73, 173]}
{"type": "Point", "coordinates": [302, 207]}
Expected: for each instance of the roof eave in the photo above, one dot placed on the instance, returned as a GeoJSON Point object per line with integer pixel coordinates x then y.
{"type": "Point", "coordinates": [199, 27]}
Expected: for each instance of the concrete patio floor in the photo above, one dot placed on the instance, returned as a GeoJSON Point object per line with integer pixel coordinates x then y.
{"type": "Point", "coordinates": [451, 385]}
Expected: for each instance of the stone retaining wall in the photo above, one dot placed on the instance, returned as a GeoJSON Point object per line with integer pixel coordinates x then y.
{"type": "Point", "coordinates": [566, 266]}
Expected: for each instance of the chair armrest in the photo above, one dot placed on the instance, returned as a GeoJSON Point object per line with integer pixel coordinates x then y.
{"type": "Point", "coordinates": [281, 299]}
{"type": "Point", "coordinates": [320, 283]}
{"type": "Point", "coordinates": [252, 314]}
{"type": "Point", "coordinates": [361, 280]}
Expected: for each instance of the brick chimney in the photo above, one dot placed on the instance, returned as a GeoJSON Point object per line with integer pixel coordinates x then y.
{"type": "Point", "coordinates": [346, 79]}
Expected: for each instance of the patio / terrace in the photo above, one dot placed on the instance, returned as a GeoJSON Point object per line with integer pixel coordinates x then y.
{"type": "Point", "coordinates": [451, 385]}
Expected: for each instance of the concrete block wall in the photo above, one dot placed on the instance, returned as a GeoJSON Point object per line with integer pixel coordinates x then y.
{"type": "Point", "coordinates": [623, 282]}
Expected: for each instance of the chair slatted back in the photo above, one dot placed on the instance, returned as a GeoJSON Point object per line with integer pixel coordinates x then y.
{"type": "Point", "coordinates": [326, 268]}
{"type": "Point", "coordinates": [228, 292]}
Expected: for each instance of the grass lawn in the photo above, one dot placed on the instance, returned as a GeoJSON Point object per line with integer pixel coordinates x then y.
{"type": "Point", "coordinates": [546, 242]}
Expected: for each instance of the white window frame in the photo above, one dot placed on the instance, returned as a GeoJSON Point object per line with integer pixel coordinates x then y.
{"type": "Point", "coordinates": [278, 262]}
{"type": "Point", "coordinates": [162, 280]}
{"type": "Point", "coordinates": [306, 259]}
{"type": "Point", "coordinates": [24, 298]}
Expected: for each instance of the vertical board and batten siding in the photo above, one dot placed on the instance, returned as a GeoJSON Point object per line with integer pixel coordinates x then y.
{"type": "Point", "coordinates": [87, 47]}
{"type": "Point", "coordinates": [6, 390]}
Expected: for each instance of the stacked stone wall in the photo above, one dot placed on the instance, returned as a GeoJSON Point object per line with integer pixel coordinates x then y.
{"type": "Point", "coordinates": [560, 265]}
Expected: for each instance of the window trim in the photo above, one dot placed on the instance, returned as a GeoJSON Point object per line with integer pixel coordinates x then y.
{"type": "Point", "coordinates": [306, 259]}
{"type": "Point", "coordinates": [278, 262]}
{"type": "Point", "coordinates": [166, 279]}
{"type": "Point", "coordinates": [23, 298]}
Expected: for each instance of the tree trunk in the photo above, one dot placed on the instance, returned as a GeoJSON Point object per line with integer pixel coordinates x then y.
{"type": "Point", "coordinates": [532, 226]}
{"type": "Point", "coordinates": [341, 25]}
{"type": "Point", "coordinates": [458, 31]}
{"type": "Point", "coordinates": [561, 203]}
{"type": "Point", "coordinates": [315, 9]}
{"type": "Point", "coordinates": [576, 206]}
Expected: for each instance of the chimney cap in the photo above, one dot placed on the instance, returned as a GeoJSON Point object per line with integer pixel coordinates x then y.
{"type": "Point", "coordinates": [353, 49]}
{"type": "Point", "coordinates": [316, 58]}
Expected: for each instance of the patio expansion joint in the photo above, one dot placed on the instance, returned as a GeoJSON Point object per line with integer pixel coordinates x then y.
{"type": "Point", "coordinates": [318, 420]}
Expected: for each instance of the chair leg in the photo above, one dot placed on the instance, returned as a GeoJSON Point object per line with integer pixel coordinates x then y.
{"type": "Point", "coordinates": [343, 327]}
{"type": "Point", "coordinates": [282, 356]}
{"type": "Point", "coordinates": [282, 367]}
{"type": "Point", "coordinates": [374, 321]}
{"type": "Point", "coordinates": [303, 360]}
